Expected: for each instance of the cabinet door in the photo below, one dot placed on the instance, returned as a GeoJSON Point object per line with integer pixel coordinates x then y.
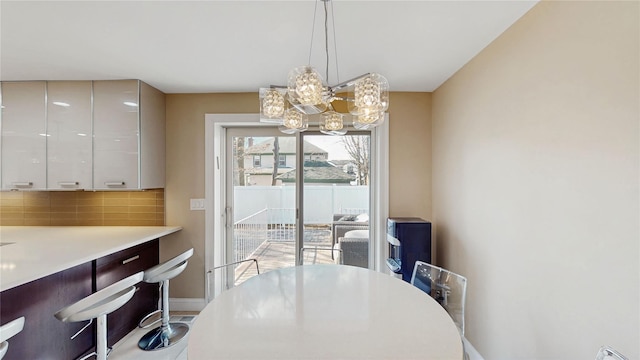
{"type": "Point", "coordinates": [69, 152]}
{"type": "Point", "coordinates": [24, 137]}
{"type": "Point", "coordinates": [44, 336]}
{"type": "Point", "coordinates": [116, 133]}
{"type": "Point", "coordinates": [152, 141]}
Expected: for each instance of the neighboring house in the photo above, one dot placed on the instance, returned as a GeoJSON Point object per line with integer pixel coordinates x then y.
{"type": "Point", "coordinates": [319, 173]}
{"type": "Point", "coordinates": [347, 166]}
{"type": "Point", "coordinates": [259, 158]}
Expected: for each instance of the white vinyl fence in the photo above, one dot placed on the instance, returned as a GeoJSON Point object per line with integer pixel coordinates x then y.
{"type": "Point", "coordinates": [320, 202]}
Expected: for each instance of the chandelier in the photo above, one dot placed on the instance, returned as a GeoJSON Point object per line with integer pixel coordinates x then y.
{"type": "Point", "coordinates": [367, 96]}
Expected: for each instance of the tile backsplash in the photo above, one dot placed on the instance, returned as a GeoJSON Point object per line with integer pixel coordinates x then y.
{"type": "Point", "coordinates": [82, 208]}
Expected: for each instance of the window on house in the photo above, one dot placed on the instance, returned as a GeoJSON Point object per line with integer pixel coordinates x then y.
{"type": "Point", "coordinates": [256, 160]}
{"type": "Point", "coordinates": [307, 157]}
{"type": "Point", "coordinates": [282, 160]}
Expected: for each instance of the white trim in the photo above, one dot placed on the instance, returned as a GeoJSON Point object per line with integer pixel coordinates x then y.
{"type": "Point", "coordinates": [213, 189]}
{"type": "Point", "coordinates": [471, 350]}
{"type": "Point", "coordinates": [186, 304]}
{"type": "Point", "coordinates": [380, 194]}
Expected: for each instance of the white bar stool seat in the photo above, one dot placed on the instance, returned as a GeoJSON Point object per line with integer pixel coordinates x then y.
{"type": "Point", "coordinates": [7, 331]}
{"type": "Point", "coordinates": [167, 333]}
{"type": "Point", "coordinates": [97, 306]}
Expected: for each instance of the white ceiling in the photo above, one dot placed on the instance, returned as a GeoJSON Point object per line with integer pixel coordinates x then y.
{"type": "Point", "coordinates": [239, 46]}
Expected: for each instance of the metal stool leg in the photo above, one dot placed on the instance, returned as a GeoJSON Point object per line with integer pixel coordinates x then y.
{"type": "Point", "coordinates": [101, 338]}
{"type": "Point", "coordinates": [167, 334]}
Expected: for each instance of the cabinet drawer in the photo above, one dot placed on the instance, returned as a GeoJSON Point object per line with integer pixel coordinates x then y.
{"type": "Point", "coordinates": [115, 267]}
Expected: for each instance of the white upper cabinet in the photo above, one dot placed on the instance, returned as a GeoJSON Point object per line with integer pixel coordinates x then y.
{"type": "Point", "coordinates": [24, 136]}
{"type": "Point", "coordinates": [69, 145]}
{"type": "Point", "coordinates": [152, 141]}
{"type": "Point", "coordinates": [73, 135]}
{"type": "Point", "coordinates": [129, 135]}
{"type": "Point", "coordinates": [115, 134]}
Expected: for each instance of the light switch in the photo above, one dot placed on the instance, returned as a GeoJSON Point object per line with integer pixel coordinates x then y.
{"type": "Point", "coordinates": [197, 204]}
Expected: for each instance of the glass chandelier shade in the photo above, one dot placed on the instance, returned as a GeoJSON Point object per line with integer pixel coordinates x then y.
{"type": "Point", "coordinates": [332, 123]}
{"type": "Point", "coordinates": [305, 86]}
{"type": "Point", "coordinates": [294, 121]}
{"type": "Point", "coordinates": [368, 121]}
{"type": "Point", "coordinates": [370, 96]}
{"type": "Point", "coordinates": [272, 105]}
{"type": "Point", "coordinates": [369, 118]}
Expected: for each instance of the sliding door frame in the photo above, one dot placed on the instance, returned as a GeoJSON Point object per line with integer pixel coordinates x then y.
{"type": "Point", "coordinates": [215, 187]}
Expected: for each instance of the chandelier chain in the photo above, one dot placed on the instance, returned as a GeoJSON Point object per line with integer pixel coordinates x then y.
{"type": "Point", "coordinates": [326, 41]}
{"type": "Point", "coordinates": [313, 30]}
{"type": "Point", "coordinates": [335, 46]}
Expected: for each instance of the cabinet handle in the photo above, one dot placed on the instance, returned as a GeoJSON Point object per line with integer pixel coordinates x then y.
{"type": "Point", "coordinates": [114, 183]}
{"type": "Point", "coordinates": [133, 258]}
{"type": "Point", "coordinates": [68, 183]}
{"type": "Point", "coordinates": [20, 184]}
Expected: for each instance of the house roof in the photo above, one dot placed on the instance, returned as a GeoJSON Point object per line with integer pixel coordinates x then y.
{"type": "Point", "coordinates": [266, 171]}
{"type": "Point", "coordinates": [341, 162]}
{"type": "Point", "coordinates": [319, 172]}
{"type": "Point", "coordinates": [287, 146]}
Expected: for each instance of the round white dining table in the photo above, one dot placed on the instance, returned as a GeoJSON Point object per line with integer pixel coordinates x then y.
{"type": "Point", "coordinates": [324, 312]}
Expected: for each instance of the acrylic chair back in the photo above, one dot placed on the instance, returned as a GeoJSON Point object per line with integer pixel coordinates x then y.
{"type": "Point", "coordinates": [608, 353]}
{"type": "Point", "coordinates": [446, 287]}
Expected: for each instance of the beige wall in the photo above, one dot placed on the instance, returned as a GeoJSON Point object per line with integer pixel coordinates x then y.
{"type": "Point", "coordinates": [410, 154]}
{"type": "Point", "coordinates": [536, 183]}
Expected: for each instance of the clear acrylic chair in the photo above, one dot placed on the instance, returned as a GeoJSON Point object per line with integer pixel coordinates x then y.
{"type": "Point", "coordinates": [608, 353]}
{"type": "Point", "coordinates": [233, 272]}
{"type": "Point", "coordinates": [336, 254]}
{"type": "Point", "coordinates": [446, 287]}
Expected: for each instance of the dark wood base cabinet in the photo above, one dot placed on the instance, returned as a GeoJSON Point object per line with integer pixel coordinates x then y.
{"type": "Point", "coordinates": [45, 337]}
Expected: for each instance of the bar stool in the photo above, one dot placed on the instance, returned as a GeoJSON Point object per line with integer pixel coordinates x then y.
{"type": "Point", "coordinates": [7, 331]}
{"type": "Point", "coordinates": [97, 306]}
{"type": "Point", "coordinates": [167, 333]}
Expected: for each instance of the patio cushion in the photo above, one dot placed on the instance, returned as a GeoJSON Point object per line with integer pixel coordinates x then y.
{"type": "Point", "coordinates": [348, 218]}
{"type": "Point", "coordinates": [357, 234]}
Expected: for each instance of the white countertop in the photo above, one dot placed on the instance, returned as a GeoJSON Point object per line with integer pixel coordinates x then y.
{"type": "Point", "coordinates": [39, 251]}
{"type": "Point", "coordinates": [324, 312]}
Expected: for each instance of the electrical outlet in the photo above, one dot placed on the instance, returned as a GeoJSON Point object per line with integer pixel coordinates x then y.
{"type": "Point", "coordinates": [197, 204]}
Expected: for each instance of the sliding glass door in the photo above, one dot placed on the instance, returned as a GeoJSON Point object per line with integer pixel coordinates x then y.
{"type": "Point", "coordinates": [293, 200]}
{"type": "Point", "coordinates": [335, 198]}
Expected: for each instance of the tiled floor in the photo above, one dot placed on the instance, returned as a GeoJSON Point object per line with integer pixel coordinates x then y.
{"type": "Point", "coordinates": [127, 348]}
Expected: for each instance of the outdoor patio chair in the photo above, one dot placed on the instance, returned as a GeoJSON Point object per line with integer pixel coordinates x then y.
{"type": "Point", "coordinates": [343, 223]}
{"type": "Point", "coordinates": [354, 246]}
{"type": "Point", "coordinates": [314, 258]}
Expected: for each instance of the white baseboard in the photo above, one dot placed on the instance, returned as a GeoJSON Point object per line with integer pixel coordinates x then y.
{"type": "Point", "coordinates": [186, 304]}
{"type": "Point", "coordinates": [470, 350]}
